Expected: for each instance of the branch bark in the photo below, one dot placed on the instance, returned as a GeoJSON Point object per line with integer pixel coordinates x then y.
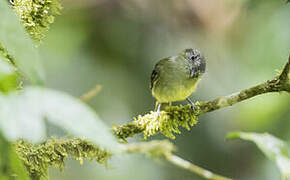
{"type": "Point", "coordinates": [164, 148]}
{"type": "Point", "coordinates": [91, 93]}
{"type": "Point", "coordinates": [193, 168]}
{"type": "Point", "coordinates": [278, 84]}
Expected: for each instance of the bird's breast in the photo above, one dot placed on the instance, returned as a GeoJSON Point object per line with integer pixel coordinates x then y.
{"type": "Point", "coordinates": [177, 89]}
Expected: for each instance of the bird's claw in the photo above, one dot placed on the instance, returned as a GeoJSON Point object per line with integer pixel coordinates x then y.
{"type": "Point", "coordinates": [192, 105]}
{"type": "Point", "coordinates": [157, 109]}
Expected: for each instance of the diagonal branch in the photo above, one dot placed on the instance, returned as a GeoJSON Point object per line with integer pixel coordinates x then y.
{"type": "Point", "coordinates": [174, 116]}
{"type": "Point", "coordinates": [278, 84]}
{"type": "Point", "coordinates": [91, 93]}
{"type": "Point", "coordinates": [164, 148]}
{"type": "Point", "coordinates": [193, 168]}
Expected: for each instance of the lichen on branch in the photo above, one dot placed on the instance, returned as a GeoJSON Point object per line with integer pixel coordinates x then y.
{"type": "Point", "coordinates": [37, 158]}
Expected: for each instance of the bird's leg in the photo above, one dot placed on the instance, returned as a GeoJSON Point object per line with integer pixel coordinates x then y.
{"type": "Point", "coordinates": [191, 103]}
{"type": "Point", "coordinates": [157, 107]}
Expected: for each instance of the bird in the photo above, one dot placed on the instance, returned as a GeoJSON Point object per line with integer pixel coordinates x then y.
{"type": "Point", "coordinates": [175, 78]}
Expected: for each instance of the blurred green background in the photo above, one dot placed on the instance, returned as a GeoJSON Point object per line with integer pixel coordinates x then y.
{"type": "Point", "coordinates": [116, 44]}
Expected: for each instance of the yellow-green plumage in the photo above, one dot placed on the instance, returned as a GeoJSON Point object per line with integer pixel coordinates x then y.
{"type": "Point", "coordinates": [176, 78]}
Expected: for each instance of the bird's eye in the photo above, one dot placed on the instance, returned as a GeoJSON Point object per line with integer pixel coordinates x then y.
{"type": "Point", "coordinates": [12, 2]}
{"type": "Point", "coordinates": [193, 57]}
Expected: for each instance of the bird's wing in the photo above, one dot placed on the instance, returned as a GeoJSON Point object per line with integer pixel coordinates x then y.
{"type": "Point", "coordinates": [154, 75]}
{"type": "Point", "coordinates": [157, 71]}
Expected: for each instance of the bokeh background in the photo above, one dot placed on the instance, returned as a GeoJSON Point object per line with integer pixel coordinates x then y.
{"type": "Point", "coordinates": [116, 43]}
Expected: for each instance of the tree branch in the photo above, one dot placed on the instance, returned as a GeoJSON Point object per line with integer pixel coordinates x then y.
{"type": "Point", "coordinates": [164, 149]}
{"type": "Point", "coordinates": [278, 84]}
{"type": "Point", "coordinates": [193, 168]}
{"type": "Point", "coordinates": [54, 152]}
{"type": "Point", "coordinates": [174, 116]}
{"type": "Point", "coordinates": [91, 93]}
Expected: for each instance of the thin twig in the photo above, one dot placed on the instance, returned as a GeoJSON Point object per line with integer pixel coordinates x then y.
{"type": "Point", "coordinates": [164, 148]}
{"type": "Point", "coordinates": [92, 93]}
{"type": "Point", "coordinates": [193, 168]}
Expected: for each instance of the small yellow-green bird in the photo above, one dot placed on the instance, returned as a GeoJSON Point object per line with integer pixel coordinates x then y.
{"type": "Point", "coordinates": [175, 78]}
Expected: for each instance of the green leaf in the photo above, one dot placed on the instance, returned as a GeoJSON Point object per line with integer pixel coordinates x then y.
{"type": "Point", "coordinates": [17, 166]}
{"type": "Point", "coordinates": [8, 77]}
{"type": "Point", "coordinates": [22, 116]}
{"type": "Point", "coordinates": [18, 44]}
{"type": "Point", "coordinates": [274, 148]}
{"type": "Point", "coordinates": [11, 167]}
{"type": "Point", "coordinates": [4, 159]}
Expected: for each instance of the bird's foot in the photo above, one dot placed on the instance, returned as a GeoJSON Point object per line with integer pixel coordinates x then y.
{"type": "Point", "coordinates": [157, 109]}
{"type": "Point", "coordinates": [193, 106]}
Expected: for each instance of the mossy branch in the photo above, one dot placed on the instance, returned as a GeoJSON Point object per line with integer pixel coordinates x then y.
{"type": "Point", "coordinates": [38, 158]}
{"type": "Point", "coordinates": [167, 122]}
{"type": "Point", "coordinates": [36, 15]}
{"type": "Point", "coordinates": [4, 53]}
{"type": "Point", "coordinates": [172, 117]}
{"type": "Point", "coordinates": [278, 84]}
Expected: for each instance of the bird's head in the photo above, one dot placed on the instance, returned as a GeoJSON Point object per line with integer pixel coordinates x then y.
{"type": "Point", "coordinates": [195, 57]}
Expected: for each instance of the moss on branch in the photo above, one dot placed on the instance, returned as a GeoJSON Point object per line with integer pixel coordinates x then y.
{"type": "Point", "coordinates": [5, 55]}
{"type": "Point", "coordinates": [127, 130]}
{"type": "Point", "coordinates": [38, 158]}
{"type": "Point", "coordinates": [36, 15]}
{"type": "Point", "coordinates": [167, 122]}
